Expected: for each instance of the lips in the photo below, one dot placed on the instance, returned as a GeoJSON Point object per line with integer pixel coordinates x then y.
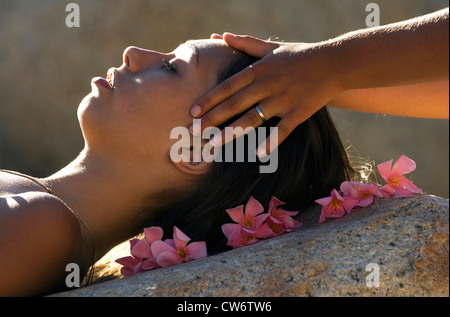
{"type": "Point", "coordinates": [109, 82]}
{"type": "Point", "coordinates": [111, 76]}
{"type": "Point", "coordinates": [99, 81]}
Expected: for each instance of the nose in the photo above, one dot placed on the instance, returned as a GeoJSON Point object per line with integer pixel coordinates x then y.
{"type": "Point", "coordinates": [137, 59]}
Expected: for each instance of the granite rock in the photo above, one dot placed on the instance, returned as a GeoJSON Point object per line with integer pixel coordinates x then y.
{"type": "Point", "coordinates": [404, 240]}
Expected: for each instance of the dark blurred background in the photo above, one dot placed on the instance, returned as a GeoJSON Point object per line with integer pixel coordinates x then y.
{"type": "Point", "coordinates": [46, 68]}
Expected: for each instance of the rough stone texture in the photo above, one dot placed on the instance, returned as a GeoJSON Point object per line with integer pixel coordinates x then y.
{"type": "Point", "coordinates": [407, 238]}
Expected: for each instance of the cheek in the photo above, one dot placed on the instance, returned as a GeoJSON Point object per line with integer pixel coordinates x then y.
{"type": "Point", "coordinates": [148, 117]}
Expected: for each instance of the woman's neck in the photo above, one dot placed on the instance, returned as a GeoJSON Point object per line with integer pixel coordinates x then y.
{"type": "Point", "coordinates": [106, 195]}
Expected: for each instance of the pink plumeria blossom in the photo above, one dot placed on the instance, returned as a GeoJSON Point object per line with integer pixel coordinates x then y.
{"type": "Point", "coordinates": [237, 237]}
{"type": "Point", "coordinates": [252, 225]}
{"type": "Point", "coordinates": [335, 206]}
{"type": "Point", "coordinates": [250, 219]}
{"type": "Point", "coordinates": [280, 220]}
{"type": "Point", "coordinates": [151, 252]}
{"type": "Point", "coordinates": [364, 193]}
{"type": "Point", "coordinates": [131, 264]}
{"type": "Point", "coordinates": [141, 258]}
{"type": "Point", "coordinates": [249, 225]}
{"type": "Point", "coordinates": [176, 250]}
{"type": "Point", "coordinates": [397, 184]}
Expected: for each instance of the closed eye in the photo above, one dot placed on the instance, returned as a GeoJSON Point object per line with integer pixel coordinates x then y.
{"type": "Point", "coordinates": [169, 66]}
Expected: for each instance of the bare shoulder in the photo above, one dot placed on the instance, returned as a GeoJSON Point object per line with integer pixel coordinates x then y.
{"type": "Point", "coordinates": [31, 209]}
{"type": "Point", "coordinates": [38, 237]}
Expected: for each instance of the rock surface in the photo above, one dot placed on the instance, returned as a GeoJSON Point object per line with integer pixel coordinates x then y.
{"type": "Point", "coordinates": [405, 239]}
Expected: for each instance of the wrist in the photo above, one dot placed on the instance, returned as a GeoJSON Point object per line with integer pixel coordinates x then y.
{"type": "Point", "coordinates": [334, 69]}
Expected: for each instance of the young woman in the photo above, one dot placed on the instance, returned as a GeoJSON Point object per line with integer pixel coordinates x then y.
{"type": "Point", "coordinates": [124, 179]}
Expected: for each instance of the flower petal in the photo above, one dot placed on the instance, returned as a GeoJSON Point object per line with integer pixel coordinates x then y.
{"type": "Point", "coordinates": [385, 170]}
{"type": "Point", "coordinates": [365, 202]}
{"type": "Point", "coordinates": [274, 203]}
{"type": "Point", "coordinates": [324, 201]}
{"type": "Point", "coordinates": [196, 250]}
{"type": "Point", "coordinates": [374, 189]}
{"type": "Point", "coordinates": [159, 247]}
{"type": "Point", "coordinates": [402, 192]}
{"type": "Point", "coordinates": [180, 238]}
{"type": "Point", "coordinates": [149, 264]}
{"type": "Point", "coordinates": [348, 203]}
{"type": "Point", "coordinates": [387, 190]}
{"type": "Point", "coordinates": [133, 242]}
{"type": "Point", "coordinates": [126, 271]}
{"type": "Point", "coordinates": [253, 208]}
{"type": "Point", "coordinates": [260, 219]}
{"type": "Point", "coordinates": [322, 218]}
{"type": "Point", "coordinates": [406, 183]}
{"type": "Point", "coordinates": [335, 194]}
{"type": "Point", "coordinates": [235, 240]}
{"type": "Point", "coordinates": [334, 212]}
{"type": "Point", "coordinates": [290, 223]}
{"type": "Point", "coordinates": [128, 261]}
{"type": "Point", "coordinates": [264, 232]}
{"type": "Point", "coordinates": [152, 234]}
{"type": "Point", "coordinates": [168, 258]}
{"type": "Point", "coordinates": [404, 165]}
{"type": "Point", "coordinates": [142, 249]}
{"type": "Point", "coordinates": [348, 189]}
{"type": "Point", "coordinates": [287, 212]}
{"type": "Point", "coordinates": [229, 228]}
{"type": "Point", "coordinates": [236, 214]}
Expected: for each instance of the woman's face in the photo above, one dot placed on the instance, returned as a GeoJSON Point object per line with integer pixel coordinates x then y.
{"type": "Point", "coordinates": [151, 94]}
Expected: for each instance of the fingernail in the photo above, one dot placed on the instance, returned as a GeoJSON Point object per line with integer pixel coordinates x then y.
{"type": "Point", "coordinates": [229, 34]}
{"type": "Point", "coordinates": [196, 110]}
{"type": "Point", "coordinates": [261, 152]}
{"type": "Point", "coordinates": [194, 129]}
{"type": "Point", "coordinates": [216, 140]}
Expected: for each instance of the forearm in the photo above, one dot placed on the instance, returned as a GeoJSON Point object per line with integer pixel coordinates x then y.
{"type": "Point", "coordinates": [408, 52]}
{"type": "Point", "coordinates": [425, 100]}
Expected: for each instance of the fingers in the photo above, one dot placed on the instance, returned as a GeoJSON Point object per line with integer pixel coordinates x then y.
{"type": "Point", "coordinates": [238, 103]}
{"type": "Point", "coordinates": [277, 136]}
{"type": "Point", "coordinates": [246, 123]}
{"type": "Point", "coordinates": [223, 91]}
{"type": "Point", "coordinates": [216, 36]}
{"type": "Point", "coordinates": [229, 87]}
{"type": "Point", "coordinates": [249, 44]}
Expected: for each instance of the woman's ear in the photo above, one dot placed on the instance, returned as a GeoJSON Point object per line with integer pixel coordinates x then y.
{"type": "Point", "coordinates": [193, 168]}
{"type": "Point", "coordinates": [190, 164]}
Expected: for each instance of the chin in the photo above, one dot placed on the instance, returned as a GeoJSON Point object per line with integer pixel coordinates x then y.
{"type": "Point", "coordinates": [89, 114]}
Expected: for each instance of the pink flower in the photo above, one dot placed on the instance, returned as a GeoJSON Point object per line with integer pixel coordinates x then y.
{"type": "Point", "coordinates": [249, 224]}
{"type": "Point", "coordinates": [397, 184]}
{"type": "Point", "coordinates": [141, 258]}
{"type": "Point", "coordinates": [250, 220]}
{"type": "Point", "coordinates": [280, 220]}
{"type": "Point", "coordinates": [364, 193]}
{"type": "Point", "coordinates": [335, 206]}
{"type": "Point", "coordinates": [131, 264]}
{"type": "Point", "coordinates": [237, 237]}
{"type": "Point", "coordinates": [252, 225]}
{"type": "Point", "coordinates": [151, 253]}
{"type": "Point", "coordinates": [175, 251]}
